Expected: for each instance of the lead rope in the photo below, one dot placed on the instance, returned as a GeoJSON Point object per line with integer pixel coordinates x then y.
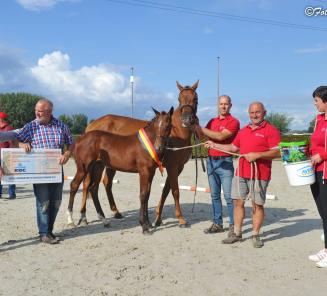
{"type": "Point", "coordinates": [254, 175]}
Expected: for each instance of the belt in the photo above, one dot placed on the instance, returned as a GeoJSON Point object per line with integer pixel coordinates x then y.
{"type": "Point", "coordinates": [218, 157]}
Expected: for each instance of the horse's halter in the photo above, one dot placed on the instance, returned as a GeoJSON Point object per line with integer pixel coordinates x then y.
{"type": "Point", "coordinates": [188, 119]}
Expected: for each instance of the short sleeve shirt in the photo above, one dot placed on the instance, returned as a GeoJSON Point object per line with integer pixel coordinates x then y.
{"type": "Point", "coordinates": [53, 135]}
{"type": "Point", "coordinates": [218, 125]}
{"type": "Point", "coordinates": [264, 138]}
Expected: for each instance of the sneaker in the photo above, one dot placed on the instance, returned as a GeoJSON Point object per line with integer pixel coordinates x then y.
{"type": "Point", "coordinates": [12, 197]}
{"type": "Point", "coordinates": [233, 238]}
{"type": "Point", "coordinates": [319, 256]}
{"type": "Point", "coordinates": [230, 230]}
{"type": "Point", "coordinates": [47, 239]}
{"type": "Point", "coordinates": [256, 241]}
{"type": "Point", "coordinates": [214, 228]}
{"type": "Point", "coordinates": [322, 263]}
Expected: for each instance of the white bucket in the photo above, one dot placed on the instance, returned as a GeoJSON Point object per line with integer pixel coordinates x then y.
{"type": "Point", "coordinates": [300, 173]}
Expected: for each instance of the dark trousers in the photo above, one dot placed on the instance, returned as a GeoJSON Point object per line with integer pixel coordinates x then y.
{"type": "Point", "coordinates": [48, 200]}
{"type": "Point", "coordinates": [319, 192]}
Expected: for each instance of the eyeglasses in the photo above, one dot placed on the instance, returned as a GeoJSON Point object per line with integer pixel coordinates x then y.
{"type": "Point", "coordinates": [42, 111]}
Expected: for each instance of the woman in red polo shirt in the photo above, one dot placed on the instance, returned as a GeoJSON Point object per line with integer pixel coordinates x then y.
{"type": "Point", "coordinates": [319, 160]}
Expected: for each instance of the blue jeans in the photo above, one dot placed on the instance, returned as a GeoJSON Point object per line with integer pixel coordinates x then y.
{"type": "Point", "coordinates": [48, 200]}
{"type": "Point", "coordinates": [220, 175]}
{"type": "Point", "coordinates": [11, 190]}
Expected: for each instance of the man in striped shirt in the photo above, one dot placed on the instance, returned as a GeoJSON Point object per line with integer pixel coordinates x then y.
{"type": "Point", "coordinates": [47, 132]}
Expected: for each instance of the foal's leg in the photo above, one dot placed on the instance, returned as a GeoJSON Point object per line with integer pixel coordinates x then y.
{"type": "Point", "coordinates": [86, 185]}
{"type": "Point", "coordinates": [75, 183]}
{"type": "Point", "coordinates": [145, 187]}
{"type": "Point", "coordinates": [165, 192]}
{"type": "Point", "coordinates": [172, 183]}
{"type": "Point", "coordinates": [107, 182]}
{"type": "Point", "coordinates": [96, 175]}
{"type": "Point", "coordinates": [94, 189]}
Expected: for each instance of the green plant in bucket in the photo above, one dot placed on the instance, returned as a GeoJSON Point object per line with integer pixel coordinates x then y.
{"type": "Point", "coordinates": [294, 151]}
{"type": "Point", "coordinates": [296, 156]}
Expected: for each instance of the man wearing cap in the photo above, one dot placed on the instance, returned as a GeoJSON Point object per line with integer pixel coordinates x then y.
{"type": "Point", "coordinates": [5, 127]}
{"type": "Point", "coordinates": [221, 129]}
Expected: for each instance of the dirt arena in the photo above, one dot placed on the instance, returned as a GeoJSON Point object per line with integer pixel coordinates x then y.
{"type": "Point", "coordinates": [120, 260]}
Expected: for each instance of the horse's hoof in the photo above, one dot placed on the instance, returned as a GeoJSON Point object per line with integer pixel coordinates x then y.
{"type": "Point", "coordinates": [106, 224]}
{"type": "Point", "coordinates": [147, 232]}
{"type": "Point", "coordinates": [71, 225]}
{"type": "Point", "coordinates": [82, 222]}
{"type": "Point", "coordinates": [184, 225]}
{"type": "Point", "coordinates": [158, 222]}
{"type": "Point", "coordinates": [118, 215]}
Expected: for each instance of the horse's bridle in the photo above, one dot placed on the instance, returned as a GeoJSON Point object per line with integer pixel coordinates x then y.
{"type": "Point", "coordinates": [193, 108]}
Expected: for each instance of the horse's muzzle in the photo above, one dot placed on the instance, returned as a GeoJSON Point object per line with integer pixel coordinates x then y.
{"type": "Point", "coordinates": [187, 119]}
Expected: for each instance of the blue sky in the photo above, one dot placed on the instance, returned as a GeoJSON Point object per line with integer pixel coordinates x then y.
{"type": "Point", "coordinates": [78, 53]}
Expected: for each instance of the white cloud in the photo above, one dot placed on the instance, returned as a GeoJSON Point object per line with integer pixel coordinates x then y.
{"type": "Point", "coordinates": [94, 84]}
{"type": "Point", "coordinates": [37, 5]}
{"type": "Point", "coordinates": [317, 49]}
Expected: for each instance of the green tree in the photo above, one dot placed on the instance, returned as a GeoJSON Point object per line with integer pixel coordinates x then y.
{"type": "Point", "coordinates": [19, 107]}
{"type": "Point", "coordinates": [66, 119]}
{"type": "Point", "coordinates": [312, 125]}
{"type": "Point", "coordinates": [79, 123]}
{"type": "Point", "coordinates": [280, 120]}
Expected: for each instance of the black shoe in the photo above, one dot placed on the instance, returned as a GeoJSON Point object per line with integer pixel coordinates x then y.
{"type": "Point", "coordinates": [214, 228]}
{"type": "Point", "coordinates": [12, 197]}
{"type": "Point", "coordinates": [47, 239]}
{"type": "Point", "coordinates": [57, 238]}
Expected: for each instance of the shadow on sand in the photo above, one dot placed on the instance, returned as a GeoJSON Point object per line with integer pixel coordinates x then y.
{"type": "Point", "coordinates": [288, 224]}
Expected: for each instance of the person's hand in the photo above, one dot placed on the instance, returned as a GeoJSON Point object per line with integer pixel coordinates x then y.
{"type": "Point", "coordinates": [1, 172]}
{"type": "Point", "coordinates": [64, 158]}
{"type": "Point", "coordinates": [251, 156]}
{"type": "Point", "coordinates": [26, 146]}
{"type": "Point", "coordinates": [315, 159]}
{"type": "Point", "coordinates": [209, 144]}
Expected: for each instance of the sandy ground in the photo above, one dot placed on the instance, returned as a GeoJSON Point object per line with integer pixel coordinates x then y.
{"type": "Point", "coordinates": [120, 260]}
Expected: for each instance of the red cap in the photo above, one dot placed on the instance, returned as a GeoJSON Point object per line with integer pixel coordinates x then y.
{"type": "Point", "coordinates": [3, 115]}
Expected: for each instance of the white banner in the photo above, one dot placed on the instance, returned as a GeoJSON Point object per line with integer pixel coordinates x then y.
{"type": "Point", "coordinates": [37, 166]}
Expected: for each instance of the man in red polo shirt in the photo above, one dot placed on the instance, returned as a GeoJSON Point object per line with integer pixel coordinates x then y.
{"type": "Point", "coordinates": [257, 143]}
{"type": "Point", "coordinates": [220, 169]}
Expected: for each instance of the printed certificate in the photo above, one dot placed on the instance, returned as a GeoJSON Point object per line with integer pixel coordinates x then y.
{"type": "Point", "coordinates": [37, 166]}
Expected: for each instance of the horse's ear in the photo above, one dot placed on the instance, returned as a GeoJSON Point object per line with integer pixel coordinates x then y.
{"type": "Point", "coordinates": [171, 111]}
{"type": "Point", "coordinates": [180, 87]}
{"type": "Point", "coordinates": [195, 85]}
{"type": "Point", "coordinates": [155, 111]}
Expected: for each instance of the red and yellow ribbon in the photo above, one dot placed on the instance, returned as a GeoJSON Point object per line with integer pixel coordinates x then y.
{"type": "Point", "coordinates": [150, 148]}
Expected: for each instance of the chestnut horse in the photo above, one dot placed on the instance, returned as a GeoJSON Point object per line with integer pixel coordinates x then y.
{"type": "Point", "coordinates": [123, 153]}
{"type": "Point", "coordinates": [183, 123]}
